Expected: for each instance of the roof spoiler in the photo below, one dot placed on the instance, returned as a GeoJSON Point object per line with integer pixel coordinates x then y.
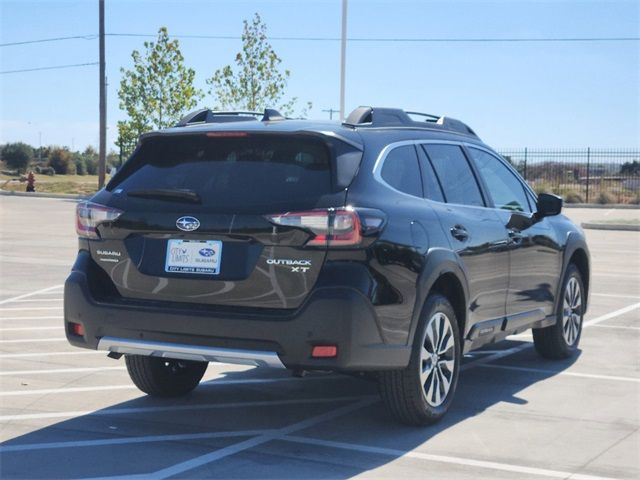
{"type": "Point", "coordinates": [205, 115]}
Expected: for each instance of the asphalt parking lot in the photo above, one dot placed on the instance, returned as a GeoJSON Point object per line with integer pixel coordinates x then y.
{"type": "Point", "coordinates": [70, 413]}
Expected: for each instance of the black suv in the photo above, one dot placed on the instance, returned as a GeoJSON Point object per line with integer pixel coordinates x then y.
{"type": "Point", "coordinates": [392, 243]}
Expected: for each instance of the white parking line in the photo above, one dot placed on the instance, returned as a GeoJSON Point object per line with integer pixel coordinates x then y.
{"type": "Point", "coordinates": [29, 329]}
{"type": "Point", "coordinates": [34, 340]}
{"type": "Point", "coordinates": [180, 408]}
{"type": "Point", "coordinates": [563, 372]}
{"type": "Point", "coordinates": [211, 382]}
{"type": "Point", "coordinates": [56, 317]}
{"type": "Point", "coordinates": [129, 440]}
{"type": "Point", "coordinates": [621, 327]}
{"type": "Point", "coordinates": [30, 300]}
{"type": "Point", "coordinates": [50, 354]}
{"type": "Point", "coordinates": [59, 370]}
{"type": "Point", "coordinates": [47, 391]}
{"type": "Point", "coordinates": [614, 295]}
{"type": "Point", "coordinates": [466, 462]}
{"type": "Point", "coordinates": [29, 309]}
{"type": "Point", "coordinates": [608, 316]}
{"type": "Point", "coordinates": [26, 295]}
{"type": "Point", "coordinates": [255, 441]}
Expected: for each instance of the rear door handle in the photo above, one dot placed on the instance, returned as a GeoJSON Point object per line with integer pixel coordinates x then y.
{"type": "Point", "coordinates": [459, 233]}
{"type": "Point", "coordinates": [515, 236]}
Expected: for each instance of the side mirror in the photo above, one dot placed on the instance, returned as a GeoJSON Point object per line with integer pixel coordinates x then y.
{"type": "Point", "coordinates": [548, 205]}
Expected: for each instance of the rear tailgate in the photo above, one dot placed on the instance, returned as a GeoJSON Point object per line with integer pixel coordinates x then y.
{"type": "Point", "coordinates": [234, 256]}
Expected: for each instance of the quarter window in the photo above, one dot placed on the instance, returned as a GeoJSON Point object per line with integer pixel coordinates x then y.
{"type": "Point", "coordinates": [456, 177]}
{"type": "Point", "coordinates": [504, 187]}
{"type": "Point", "coordinates": [401, 170]}
{"type": "Point", "coordinates": [432, 189]}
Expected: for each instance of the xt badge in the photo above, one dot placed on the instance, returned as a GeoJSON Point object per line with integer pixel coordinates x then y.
{"type": "Point", "coordinates": [301, 266]}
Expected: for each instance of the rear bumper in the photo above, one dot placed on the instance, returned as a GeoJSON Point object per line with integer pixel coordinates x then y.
{"type": "Point", "coordinates": [339, 316]}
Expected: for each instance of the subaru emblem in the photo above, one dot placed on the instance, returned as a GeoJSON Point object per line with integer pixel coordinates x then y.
{"type": "Point", "coordinates": [188, 224]}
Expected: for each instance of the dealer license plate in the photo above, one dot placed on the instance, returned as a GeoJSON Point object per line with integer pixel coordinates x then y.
{"type": "Point", "coordinates": [193, 256]}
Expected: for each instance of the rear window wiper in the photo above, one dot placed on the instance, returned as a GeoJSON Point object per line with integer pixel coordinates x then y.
{"type": "Point", "coordinates": [188, 196]}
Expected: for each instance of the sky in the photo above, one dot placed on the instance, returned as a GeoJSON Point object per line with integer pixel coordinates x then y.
{"type": "Point", "coordinates": [520, 94]}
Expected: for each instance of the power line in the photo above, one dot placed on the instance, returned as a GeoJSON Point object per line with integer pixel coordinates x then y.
{"type": "Point", "coordinates": [47, 40]}
{"type": "Point", "coordinates": [395, 40]}
{"type": "Point", "coordinates": [352, 39]}
{"type": "Point", "coordinates": [54, 67]}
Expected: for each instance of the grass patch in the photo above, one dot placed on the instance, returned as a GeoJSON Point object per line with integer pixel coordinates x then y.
{"type": "Point", "coordinates": [74, 184]}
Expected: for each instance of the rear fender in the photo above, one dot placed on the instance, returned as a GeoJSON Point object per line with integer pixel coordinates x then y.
{"type": "Point", "coordinates": [438, 262]}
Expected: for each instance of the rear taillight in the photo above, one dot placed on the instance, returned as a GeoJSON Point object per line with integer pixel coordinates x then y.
{"type": "Point", "coordinates": [330, 227]}
{"type": "Point", "coordinates": [89, 215]}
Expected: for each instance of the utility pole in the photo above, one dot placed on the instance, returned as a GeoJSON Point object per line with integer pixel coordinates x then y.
{"type": "Point", "coordinates": [343, 56]}
{"type": "Point", "coordinates": [102, 158]}
{"type": "Point", "coordinates": [331, 111]}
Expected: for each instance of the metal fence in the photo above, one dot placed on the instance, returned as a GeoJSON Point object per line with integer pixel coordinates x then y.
{"type": "Point", "coordinates": [581, 175]}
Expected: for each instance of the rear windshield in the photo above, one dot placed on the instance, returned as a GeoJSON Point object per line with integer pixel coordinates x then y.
{"type": "Point", "coordinates": [244, 171]}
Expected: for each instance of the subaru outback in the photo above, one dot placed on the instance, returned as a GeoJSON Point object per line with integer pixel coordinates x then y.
{"type": "Point", "coordinates": [388, 245]}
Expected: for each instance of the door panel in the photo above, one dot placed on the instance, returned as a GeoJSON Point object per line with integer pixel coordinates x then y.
{"type": "Point", "coordinates": [534, 253]}
{"type": "Point", "coordinates": [535, 265]}
{"type": "Point", "coordinates": [484, 256]}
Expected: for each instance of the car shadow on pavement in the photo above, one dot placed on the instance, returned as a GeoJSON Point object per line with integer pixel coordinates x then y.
{"type": "Point", "coordinates": [305, 430]}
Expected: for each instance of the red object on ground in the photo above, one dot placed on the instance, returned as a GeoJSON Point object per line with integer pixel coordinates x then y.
{"type": "Point", "coordinates": [31, 182]}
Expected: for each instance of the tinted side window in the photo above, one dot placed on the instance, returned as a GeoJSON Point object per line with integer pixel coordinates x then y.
{"type": "Point", "coordinates": [455, 174]}
{"type": "Point", "coordinates": [505, 189]}
{"type": "Point", "coordinates": [432, 189]}
{"type": "Point", "coordinates": [401, 170]}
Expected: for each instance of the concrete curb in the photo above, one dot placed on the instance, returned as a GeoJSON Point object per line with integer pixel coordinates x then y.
{"type": "Point", "coordinates": [611, 226]}
{"type": "Point", "coordinates": [625, 206]}
{"type": "Point", "coordinates": [11, 193]}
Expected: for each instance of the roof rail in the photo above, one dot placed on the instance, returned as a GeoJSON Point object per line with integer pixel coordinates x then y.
{"type": "Point", "coordinates": [396, 117]}
{"type": "Point", "coordinates": [205, 115]}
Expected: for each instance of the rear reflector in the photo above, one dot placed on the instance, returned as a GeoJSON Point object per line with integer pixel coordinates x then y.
{"type": "Point", "coordinates": [324, 351]}
{"type": "Point", "coordinates": [89, 215]}
{"type": "Point", "coordinates": [332, 228]}
{"type": "Point", "coordinates": [77, 329]}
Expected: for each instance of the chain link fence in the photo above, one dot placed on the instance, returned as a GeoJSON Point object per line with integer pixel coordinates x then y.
{"type": "Point", "coordinates": [581, 175]}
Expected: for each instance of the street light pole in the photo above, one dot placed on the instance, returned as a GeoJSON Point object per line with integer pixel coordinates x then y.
{"type": "Point", "coordinates": [102, 159]}
{"type": "Point", "coordinates": [343, 56]}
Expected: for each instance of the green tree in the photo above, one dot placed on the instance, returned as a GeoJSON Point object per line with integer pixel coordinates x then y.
{"type": "Point", "coordinates": [256, 82]}
{"type": "Point", "coordinates": [630, 168]}
{"type": "Point", "coordinates": [156, 92]}
{"type": "Point", "coordinates": [61, 160]}
{"type": "Point", "coordinates": [90, 157]}
{"type": "Point", "coordinates": [81, 164]}
{"type": "Point", "coordinates": [17, 155]}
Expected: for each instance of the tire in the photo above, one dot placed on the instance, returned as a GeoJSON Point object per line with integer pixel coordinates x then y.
{"type": "Point", "coordinates": [417, 399]}
{"type": "Point", "coordinates": [164, 377]}
{"type": "Point", "coordinates": [561, 340]}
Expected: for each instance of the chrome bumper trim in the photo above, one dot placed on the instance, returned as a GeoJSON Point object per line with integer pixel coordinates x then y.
{"type": "Point", "coordinates": [190, 352]}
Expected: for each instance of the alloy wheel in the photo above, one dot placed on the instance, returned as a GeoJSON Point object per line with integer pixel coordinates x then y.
{"type": "Point", "coordinates": [571, 311]}
{"type": "Point", "coordinates": [437, 359]}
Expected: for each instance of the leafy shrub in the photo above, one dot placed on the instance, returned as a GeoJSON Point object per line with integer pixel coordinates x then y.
{"type": "Point", "coordinates": [81, 166]}
{"type": "Point", "coordinates": [17, 155]}
{"type": "Point", "coordinates": [91, 165]}
{"type": "Point", "coordinates": [604, 198]}
{"type": "Point", "coordinates": [542, 187]}
{"type": "Point", "coordinates": [61, 161]}
{"type": "Point", "coordinates": [573, 197]}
